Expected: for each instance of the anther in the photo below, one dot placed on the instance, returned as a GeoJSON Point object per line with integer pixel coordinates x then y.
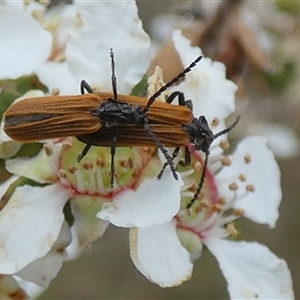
{"type": "Point", "coordinates": [72, 169]}
{"type": "Point", "coordinates": [88, 165]}
{"type": "Point", "coordinates": [233, 186]}
{"type": "Point", "coordinates": [247, 158]}
{"type": "Point", "coordinates": [100, 162]}
{"type": "Point", "coordinates": [62, 173]}
{"type": "Point", "coordinates": [55, 91]}
{"type": "Point", "coordinates": [239, 212]}
{"type": "Point", "coordinates": [224, 144]}
{"type": "Point", "coordinates": [215, 122]}
{"type": "Point", "coordinates": [48, 150]}
{"type": "Point", "coordinates": [232, 231]}
{"type": "Point", "coordinates": [250, 188]}
{"type": "Point", "coordinates": [242, 177]}
{"type": "Point", "coordinates": [226, 161]}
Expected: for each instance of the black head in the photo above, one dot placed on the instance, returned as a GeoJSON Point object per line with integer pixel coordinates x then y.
{"type": "Point", "coordinates": [200, 134]}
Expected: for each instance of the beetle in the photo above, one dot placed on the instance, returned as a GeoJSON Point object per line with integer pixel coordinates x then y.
{"type": "Point", "coordinates": [49, 117]}
{"type": "Point", "coordinates": [112, 119]}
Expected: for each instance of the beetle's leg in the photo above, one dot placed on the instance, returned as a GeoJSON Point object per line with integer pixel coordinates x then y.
{"type": "Point", "coordinates": [161, 147]}
{"type": "Point", "coordinates": [175, 153]}
{"type": "Point", "coordinates": [85, 86]}
{"type": "Point", "coordinates": [84, 152]}
{"type": "Point", "coordinates": [112, 161]}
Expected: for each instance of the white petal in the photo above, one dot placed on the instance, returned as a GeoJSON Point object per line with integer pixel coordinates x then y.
{"type": "Point", "coordinates": [252, 271]}
{"type": "Point", "coordinates": [262, 172]}
{"type": "Point", "coordinates": [86, 227]}
{"type": "Point", "coordinates": [105, 25]}
{"type": "Point", "coordinates": [206, 85]}
{"type": "Point", "coordinates": [155, 202]}
{"type": "Point", "coordinates": [29, 225]}
{"type": "Point", "coordinates": [24, 43]}
{"type": "Point", "coordinates": [8, 147]}
{"type": "Point", "coordinates": [9, 287]}
{"type": "Point", "coordinates": [63, 79]}
{"type": "Point", "coordinates": [281, 139]}
{"type": "Point", "coordinates": [158, 254]}
{"type": "Point", "coordinates": [43, 270]}
{"type": "Point", "coordinates": [35, 168]}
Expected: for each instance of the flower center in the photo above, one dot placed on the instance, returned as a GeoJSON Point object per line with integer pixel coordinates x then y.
{"type": "Point", "coordinates": [92, 175]}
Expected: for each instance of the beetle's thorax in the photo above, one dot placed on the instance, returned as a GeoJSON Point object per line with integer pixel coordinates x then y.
{"type": "Point", "coordinates": [113, 113]}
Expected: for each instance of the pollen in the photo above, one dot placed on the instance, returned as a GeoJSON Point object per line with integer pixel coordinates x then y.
{"type": "Point", "coordinates": [44, 2]}
{"type": "Point", "coordinates": [62, 173]}
{"type": "Point", "coordinates": [233, 186]}
{"type": "Point", "coordinates": [232, 231]}
{"type": "Point", "coordinates": [226, 161]}
{"type": "Point", "coordinates": [100, 162]}
{"type": "Point", "coordinates": [222, 201]}
{"type": "Point", "coordinates": [72, 169]}
{"type": "Point", "coordinates": [242, 177]}
{"type": "Point", "coordinates": [215, 122]}
{"type": "Point", "coordinates": [67, 144]}
{"type": "Point", "coordinates": [224, 144]}
{"type": "Point", "coordinates": [37, 14]}
{"type": "Point", "coordinates": [55, 91]}
{"type": "Point", "coordinates": [198, 166]}
{"type": "Point", "coordinates": [48, 150]}
{"type": "Point", "coordinates": [217, 208]}
{"type": "Point", "coordinates": [239, 212]}
{"type": "Point", "coordinates": [250, 188]}
{"type": "Point", "coordinates": [88, 165]}
{"type": "Point", "coordinates": [247, 158]}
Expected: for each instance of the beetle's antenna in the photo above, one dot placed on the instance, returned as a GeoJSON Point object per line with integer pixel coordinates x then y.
{"type": "Point", "coordinates": [227, 129]}
{"type": "Point", "coordinates": [200, 184]}
{"type": "Point", "coordinates": [172, 82]}
{"type": "Point", "coordinates": [113, 75]}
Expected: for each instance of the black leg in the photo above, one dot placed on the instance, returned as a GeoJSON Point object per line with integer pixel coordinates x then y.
{"type": "Point", "coordinates": [175, 153]}
{"type": "Point", "coordinates": [84, 152]}
{"type": "Point", "coordinates": [161, 147]}
{"type": "Point", "coordinates": [112, 162]}
{"type": "Point", "coordinates": [85, 86]}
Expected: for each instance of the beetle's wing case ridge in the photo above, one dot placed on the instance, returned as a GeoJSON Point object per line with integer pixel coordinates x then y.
{"type": "Point", "coordinates": [136, 135]}
{"type": "Point", "coordinates": [50, 117]}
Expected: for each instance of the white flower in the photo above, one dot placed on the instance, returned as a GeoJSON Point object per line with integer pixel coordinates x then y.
{"type": "Point", "coordinates": [165, 239]}
{"type": "Point", "coordinates": [246, 183]}
{"type": "Point", "coordinates": [34, 214]}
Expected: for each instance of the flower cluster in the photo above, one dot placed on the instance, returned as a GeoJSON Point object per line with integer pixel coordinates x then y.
{"type": "Point", "coordinates": [68, 43]}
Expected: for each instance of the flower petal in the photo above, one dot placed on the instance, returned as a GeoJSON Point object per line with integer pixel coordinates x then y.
{"type": "Point", "coordinates": [252, 271]}
{"type": "Point", "coordinates": [9, 286]}
{"type": "Point", "coordinates": [261, 172]}
{"type": "Point", "coordinates": [63, 79]}
{"type": "Point", "coordinates": [281, 139]}
{"type": "Point", "coordinates": [31, 167]}
{"type": "Point", "coordinates": [43, 270]}
{"type": "Point", "coordinates": [86, 227]}
{"type": "Point", "coordinates": [88, 47]}
{"type": "Point", "coordinates": [36, 215]}
{"type": "Point", "coordinates": [158, 254]}
{"type": "Point", "coordinates": [155, 202]}
{"type": "Point", "coordinates": [206, 85]}
{"type": "Point", "coordinates": [24, 43]}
